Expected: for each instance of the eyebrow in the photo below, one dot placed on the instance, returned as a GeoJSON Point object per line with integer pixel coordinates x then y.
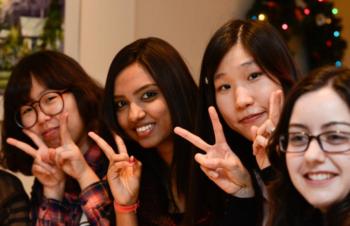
{"type": "Point", "coordinates": [329, 124]}
{"type": "Point", "coordinates": [244, 64]}
{"type": "Point", "coordinates": [297, 125]}
{"type": "Point", "coordinates": [142, 88]}
{"type": "Point", "coordinates": [332, 123]}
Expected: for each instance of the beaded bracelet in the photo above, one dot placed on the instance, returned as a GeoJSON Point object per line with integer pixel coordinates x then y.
{"type": "Point", "coordinates": [126, 209]}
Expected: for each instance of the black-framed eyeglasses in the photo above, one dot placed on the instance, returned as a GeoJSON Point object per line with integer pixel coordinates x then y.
{"type": "Point", "coordinates": [50, 103]}
{"type": "Point", "coordinates": [330, 141]}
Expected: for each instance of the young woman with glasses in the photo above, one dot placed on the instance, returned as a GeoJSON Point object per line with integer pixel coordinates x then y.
{"type": "Point", "coordinates": [50, 104]}
{"type": "Point", "coordinates": [310, 151]}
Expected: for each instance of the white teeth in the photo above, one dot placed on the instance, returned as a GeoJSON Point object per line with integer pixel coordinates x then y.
{"type": "Point", "coordinates": [319, 176]}
{"type": "Point", "coordinates": [144, 128]}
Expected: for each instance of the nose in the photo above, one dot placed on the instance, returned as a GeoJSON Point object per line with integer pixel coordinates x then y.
{"type": "Point", "coordinates": [243, 97]}
{"type": "Point", "coordinates": [42, 117]}
{"type": "Point", "coordinates": [314, 153]}
{"type": "Point", "coordinates": [136, 112]}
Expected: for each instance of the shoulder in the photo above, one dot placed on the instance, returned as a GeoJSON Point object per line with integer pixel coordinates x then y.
{"type": "Point", "coordinates": [8, 179]}
{"type": "Point", "coordinates": [9, 184]}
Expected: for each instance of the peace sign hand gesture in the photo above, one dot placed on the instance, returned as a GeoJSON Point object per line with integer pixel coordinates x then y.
{"type": "Point", "coordinates": [219, 162]}
{"type": "Point", "coordinates": [262, 134]}
{"type": "Point", "coordinates": [124, 171]}
{"type": "Point", "coordinates": [70, 158]}
{"type": "Point", "coordinates": [44, 168]}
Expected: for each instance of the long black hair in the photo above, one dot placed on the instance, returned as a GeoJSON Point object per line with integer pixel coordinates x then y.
{"type": "Point", "coordinates": [173, 78]}
{"type": "Point", "coordinates": [270, 52]}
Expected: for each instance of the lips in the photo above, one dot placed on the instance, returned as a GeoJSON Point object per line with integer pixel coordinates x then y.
{"type": "Point", "coordinates": [51, 133]}
{"type": "Point", "coordinates": [319, 176]}
{"type": "Point", "coordinates": [145, 129]}
{"type": "Point", "coordinates": [251, 118]}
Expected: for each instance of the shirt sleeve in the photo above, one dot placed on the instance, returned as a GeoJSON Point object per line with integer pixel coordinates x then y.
{"type": "Point", "coordinates": [51, 213]}
{"type": "Point", "coordinates": [15, 212]}
{"type": "Point", "coordinates": [96, 204]}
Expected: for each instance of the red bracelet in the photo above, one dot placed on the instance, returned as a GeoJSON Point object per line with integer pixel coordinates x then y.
{"type": "Point", "coordinates": [126, 209]}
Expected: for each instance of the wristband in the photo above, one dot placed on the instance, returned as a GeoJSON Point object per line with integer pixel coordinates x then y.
{"type": "Point", "coordinates": [126, 209]}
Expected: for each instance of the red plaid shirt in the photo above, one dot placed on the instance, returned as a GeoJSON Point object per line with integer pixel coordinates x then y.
{"type": "Point", "coordinates": [94, 200]}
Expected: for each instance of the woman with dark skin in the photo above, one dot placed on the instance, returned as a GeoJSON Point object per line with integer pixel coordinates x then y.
{"type": "Point", "coordinates": [246, 71]}
{"type": "Point", "coordinates": [149, 90]}
{"type": "Point", "coordinates": [310, 153]}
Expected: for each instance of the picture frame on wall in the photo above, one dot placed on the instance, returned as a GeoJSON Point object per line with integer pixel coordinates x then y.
{"type": "Point", "coordinates": [27, 26]}
{"type": "Point", "coordinates": [69, 43]}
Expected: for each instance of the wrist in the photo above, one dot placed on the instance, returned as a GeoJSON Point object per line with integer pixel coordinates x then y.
{"type": "Point", "coordinates": [126, 208]}
{"type": "Point", "coordinates": [87, 178]}
{"type": "Point", "coordinates": [244, 192]}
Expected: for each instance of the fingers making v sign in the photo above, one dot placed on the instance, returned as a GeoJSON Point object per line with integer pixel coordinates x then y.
{"type": "Point", "coordinates": [261, 135]}
{"type": "Point", "coordinates": [219, 162]}
{"type": "Point", "coordinates": [124, 171]}
{"type": "Point", "coordinates": [70, 158]}
{"type": "Point", "coordinates": [44, 167]}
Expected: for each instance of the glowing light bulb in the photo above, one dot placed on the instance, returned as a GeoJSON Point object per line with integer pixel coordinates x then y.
{"type": "Point", "coordinates": [284, 26]}
{"type": "Point", "coordinates": [262, 17]}
{"type": "Point", "coordinates": [307, 11]}
{"type": "Point", "coordinates": [338, 63]}
{"type": "Point", "coordinates": [335, 11]}
{"type": "Point", "coordinates": [336, 34]}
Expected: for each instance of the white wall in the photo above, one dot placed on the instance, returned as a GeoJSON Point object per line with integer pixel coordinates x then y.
{"type": "Point", "coordinates": [187, 24]}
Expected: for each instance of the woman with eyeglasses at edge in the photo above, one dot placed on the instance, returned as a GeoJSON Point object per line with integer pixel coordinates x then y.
{"type": "Point", "coordinates": [310, 151]}
{"type": "Point", "coordinates": [50, 104]}
{"type": "Point", "coordinates": [246, 71]}
{"type": "Point", "coordinates": [148, 91]}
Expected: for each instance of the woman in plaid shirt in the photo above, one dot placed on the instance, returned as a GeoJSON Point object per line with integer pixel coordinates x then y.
{"type": "Point", "coordinates": [50, 103]}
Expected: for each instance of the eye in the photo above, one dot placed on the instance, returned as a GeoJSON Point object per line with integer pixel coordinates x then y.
{"type": "Point", "coordinates": [297, 139]}
{"type": "Point", "coordinates": [149, 95]}
{"type": "Point", "coordinates": [336, 138]}
{"type": "Point", "coordinates": [50, 98]}
{"type": "Point", "coordinates": [254, 76]}
{"type": "Point", "coordinates": [26, 110]}
{"type": "Point", "coordinates": [224, 87]}
{"type": "Point", "coordinates": [120, 104]}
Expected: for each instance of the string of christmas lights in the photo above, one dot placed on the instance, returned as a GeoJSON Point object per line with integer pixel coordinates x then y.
{"type": "Point", "coordinates": [315, 21]}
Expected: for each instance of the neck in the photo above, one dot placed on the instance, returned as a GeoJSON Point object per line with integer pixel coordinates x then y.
{"type": "Point", "coordinates": [166, 150]}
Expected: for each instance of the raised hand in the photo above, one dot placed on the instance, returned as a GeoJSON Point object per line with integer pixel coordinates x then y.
{"type": "Point", "coordinates": [262, 134]}
{"type": "Point", "coordinates": [70, 158]}
{"type": "Point", "coordinates": [44, 168]}
{"type": "Point", "coordinates": [219, 162]}
{"type": "Point", "coordinates": [124, 172]}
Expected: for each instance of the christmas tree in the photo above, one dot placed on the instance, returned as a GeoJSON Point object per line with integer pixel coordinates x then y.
{"type": "Point", "coordinates": [316, 21]}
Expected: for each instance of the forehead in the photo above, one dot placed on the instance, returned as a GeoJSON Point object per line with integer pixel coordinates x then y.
{"type": "Point", "coordinates": [37, 88]}
{"type": "Point", "coordinates": [318, 107]}
{"type": "Point", "coordinates": [131, 78]}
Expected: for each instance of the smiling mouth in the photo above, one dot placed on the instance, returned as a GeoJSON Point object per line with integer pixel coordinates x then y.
{"type": "Point", "coordinates": [251, 118]}
{"type": "Point", "coordinates": [145, 129]}
{"type": "Point", "coordinates": [319, 176]}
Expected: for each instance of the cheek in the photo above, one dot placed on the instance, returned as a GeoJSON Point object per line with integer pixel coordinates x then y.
{"type": "Point", "coordinates": [226, 108]}
{"type": "Point", "coordinates": [122, 119]}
